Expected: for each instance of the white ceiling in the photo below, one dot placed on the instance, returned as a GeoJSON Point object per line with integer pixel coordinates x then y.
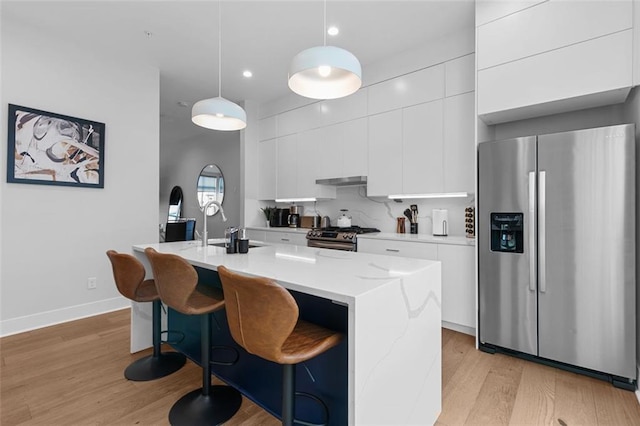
{"type": "Point", "coordinates": [260, 35]}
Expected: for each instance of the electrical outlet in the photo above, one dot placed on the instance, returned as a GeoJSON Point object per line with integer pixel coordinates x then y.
{"type": "Point", "coordinates": [92, 283]}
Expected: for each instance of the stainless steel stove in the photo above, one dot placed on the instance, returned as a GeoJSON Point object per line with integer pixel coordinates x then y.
{"type": "Point", "coordinates": [337, 238]}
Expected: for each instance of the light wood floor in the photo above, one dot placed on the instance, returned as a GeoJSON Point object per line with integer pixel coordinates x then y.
{"type": "Point", "coordinates": [71, 374]}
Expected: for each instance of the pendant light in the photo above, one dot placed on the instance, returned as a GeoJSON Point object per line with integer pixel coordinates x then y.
{"type": "Point", "coordinates": [325, 72]}
{"type": "Point", "coordinates": [219, 113]}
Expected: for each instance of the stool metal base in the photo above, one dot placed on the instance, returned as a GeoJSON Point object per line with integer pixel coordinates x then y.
{"type": "Point", "coordinates": [154, 367]}
{"type": "Point", "coordinates": [195, 409]}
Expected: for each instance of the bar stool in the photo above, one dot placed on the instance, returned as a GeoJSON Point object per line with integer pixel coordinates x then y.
{"type": "Point", "coordinates": [263, 319]}
{"type": "Point", "coordinates": [128, 273]}
{"type": "Point", "coordinates": [177, 282]}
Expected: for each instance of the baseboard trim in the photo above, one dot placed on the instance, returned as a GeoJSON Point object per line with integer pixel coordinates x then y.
{"type": "Point", "coordinates": [44, 319]}
{"type": "Point", "coordinates": [459, 328]}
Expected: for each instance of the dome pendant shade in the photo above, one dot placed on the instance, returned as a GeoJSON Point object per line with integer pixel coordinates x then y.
{"type": "Point", "coordinates": [325, 72]}
{"type": "Point", "coordinates": [219, 114]}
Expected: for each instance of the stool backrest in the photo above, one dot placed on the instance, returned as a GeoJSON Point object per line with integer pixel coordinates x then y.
{"type": "Point", "coordinates": [128, 273]}
{"type": "Point", "coordinates": [261, 313]}
{"type": "Point", "coordinates": [175, 278]}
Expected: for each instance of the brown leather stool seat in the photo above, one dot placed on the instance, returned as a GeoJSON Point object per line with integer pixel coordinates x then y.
{"type": "Point", "coordinates": [263, 319]}
{"type": "Point", "coordinates": [128, 273]}
{"type": "Point", "coordinates": [177, 283]}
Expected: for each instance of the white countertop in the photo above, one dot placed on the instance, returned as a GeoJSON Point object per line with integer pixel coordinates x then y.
{"type": "Point", "coordinates": [420, 238]}
{"type": "Point", "coordinates": [332, 274]}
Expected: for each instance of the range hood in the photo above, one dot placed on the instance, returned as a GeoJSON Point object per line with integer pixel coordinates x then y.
{"type": "Point", "coordinates": [343, 181]}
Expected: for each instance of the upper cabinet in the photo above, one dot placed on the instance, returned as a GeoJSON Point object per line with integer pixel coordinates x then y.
{"type": "Point", "coordinates": [267, 128]}
{"type": "Point", "coordinates": [296, 169]}
{"type": "Point", "coordinates": [412, 134]}
{"type": "Point", "coordinates": [299, 119]}
{"type": "Point", "coordinates": [548, 26]}
{"type": "Point", "coordinates": [339, 110]}
{"type": "Point", "coordinates": [405, 150]}
{"type": "Point", "coordinates": [459, 148]}
{"type": "Point", "coordinates": [553, 57]}
{"type": "Point", "coordinates": [348, 143]}
{"type": "Point", "coordinates": [410, 89]}
{"type": "Point", "coordinates": [460, 75]}
{"type": "Point", "coordinates": [267, 161]}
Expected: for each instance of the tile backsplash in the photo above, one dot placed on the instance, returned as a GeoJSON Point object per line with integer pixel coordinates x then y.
{"type": "Point", "coordinates": [381, 213]}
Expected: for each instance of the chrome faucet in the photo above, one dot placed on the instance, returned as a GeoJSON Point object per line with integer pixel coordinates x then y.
{"type": "Point", "coordinates": [205, 235]}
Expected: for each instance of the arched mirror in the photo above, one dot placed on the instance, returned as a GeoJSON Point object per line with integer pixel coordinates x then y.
{"type": "Point", "coordinates": [175, 204]}
{"type": "Point", "coordinates": [210, 187]}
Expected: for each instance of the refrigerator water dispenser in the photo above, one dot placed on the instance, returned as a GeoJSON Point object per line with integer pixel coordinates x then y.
{"type": "Point", "coordinates": [506, 232]}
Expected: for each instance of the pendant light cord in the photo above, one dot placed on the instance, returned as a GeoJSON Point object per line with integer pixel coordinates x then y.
{"type": "Point", "coordinates": [324, 24]}
{"type": "Point", "coordinates": [219, 49]}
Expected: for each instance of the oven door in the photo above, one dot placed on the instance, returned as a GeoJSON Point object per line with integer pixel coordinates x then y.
{"type": "Point", "coordinates": [334, 245]}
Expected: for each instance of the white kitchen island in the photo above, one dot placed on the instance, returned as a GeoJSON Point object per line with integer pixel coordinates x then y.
{"type": "Point", "coordinates": [392, 321]}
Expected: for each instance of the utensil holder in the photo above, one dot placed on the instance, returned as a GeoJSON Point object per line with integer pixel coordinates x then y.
{"type": "Point", "coordinates": [414, 228]}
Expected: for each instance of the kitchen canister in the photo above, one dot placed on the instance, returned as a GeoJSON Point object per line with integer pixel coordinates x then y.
{"type": "Point", "coordinates": [400, 225]}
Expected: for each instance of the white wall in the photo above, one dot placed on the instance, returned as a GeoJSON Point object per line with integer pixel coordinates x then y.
{"type": "Point", "coordinates": [181, 163]}
{"type": "Point", "coordinates": [54, 238]}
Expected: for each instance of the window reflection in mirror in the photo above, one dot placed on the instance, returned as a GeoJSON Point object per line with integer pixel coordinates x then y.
{"type": "Point", "coordinates": [175, 204]}
{"type": "Point", "coordinates": [210, 187]}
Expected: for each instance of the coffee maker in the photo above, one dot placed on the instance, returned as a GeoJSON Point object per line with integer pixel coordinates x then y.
{"type": "Point", "coordinates": [294, 216]}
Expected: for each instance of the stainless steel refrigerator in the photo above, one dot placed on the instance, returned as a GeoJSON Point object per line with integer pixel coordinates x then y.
{"type": "Point", "coordinates": [557, 249]}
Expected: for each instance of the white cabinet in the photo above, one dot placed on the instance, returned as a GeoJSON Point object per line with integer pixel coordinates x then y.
{"type": "Point", "coordinates": [267, 128]}
{"type": "Point", "coordinates": [553, 57]}
{"type": "Point", "coordinates": [548, 26]}
{"type": "Point", "coordinates": [422, 140]}
{"type": "Point", "coordinates": [416, 250]}
{"type": "Point", "coordinates": [343, 149]}
{"type": "Point", "coordinates": [636, 42]}
{"type": "Point", "coordinates": [284, 237]}
{"type": "Point", "coordinates": [405, 150]}
{"type": "Point", "coordinates": [256, 235]}
{"type": "Point", "coordinates": [287, 176]}
{"type": "Point", "coordinates": [460, 76]}
{"type": "Point", "coordinates": [299, 119]}
{"type": "Point", "coordinates": [411, 89]}
{"type": "Point", "coordinates": [385, 154]}
{"type": "Point", "coordinates": [459, 144]}
{"type": "Point", "coordinates": [296, 173]}
{"type": "Point", "coordinates": [267, 161]}
{"type": "Point", "coordinates": [458, 284]}
{"type": "Point", "coordinates": [593, 73]}
{"type": "Point", "coordinates": [458, 275]}
{"type": "Point", "coordinates": [349, 108]}
{"type": "Point", "coordinates": [490, 10]}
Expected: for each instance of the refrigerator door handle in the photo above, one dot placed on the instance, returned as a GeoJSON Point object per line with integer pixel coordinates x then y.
{"type": "Point", "coordinates": [532, 231]}
{"type": "Point", "coordinates": [542, 271]}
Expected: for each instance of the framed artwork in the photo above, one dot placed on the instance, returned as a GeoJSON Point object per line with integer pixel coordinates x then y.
{"type": "Point", "coordinates": [54, 149]}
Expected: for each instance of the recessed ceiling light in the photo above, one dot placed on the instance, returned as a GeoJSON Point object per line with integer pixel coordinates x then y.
{"type": "Point", "coordinates": [247, 73]}
{"type": "Point", "coordinates": [332, 30]}
{"type": "Point", "coordinates": [148, 33]}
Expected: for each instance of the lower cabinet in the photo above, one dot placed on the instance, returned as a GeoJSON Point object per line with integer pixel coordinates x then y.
{"type": "Point", "coordinates": [458, 284]}
{"type": "Point", "coordinates": [278, 237]}
{"type": "Point", "coordinates": [458, 275]}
